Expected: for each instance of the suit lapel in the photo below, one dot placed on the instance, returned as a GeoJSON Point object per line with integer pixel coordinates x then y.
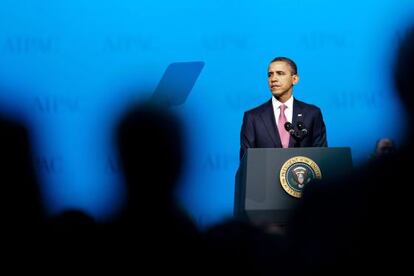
{"type": "Point", "coordinates": [296, 117]}
{"type": "Point", "coordinates": [268, 118]}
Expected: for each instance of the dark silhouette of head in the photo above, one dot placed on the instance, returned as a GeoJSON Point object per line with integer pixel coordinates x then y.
{"type": "Point", "coordinates": [403, 71]}
{"type": "Point", "coordinates": [151, 154]}
{"type": "Point", "coordinates": [150, 144]}
{"type": "Point", "coordinates": [404, 79]}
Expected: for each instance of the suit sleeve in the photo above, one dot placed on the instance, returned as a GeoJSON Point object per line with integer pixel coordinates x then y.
{"type": "Point", "coordinates": [247, 137]}
{"type": "Point", "coordinates": [319, 131]}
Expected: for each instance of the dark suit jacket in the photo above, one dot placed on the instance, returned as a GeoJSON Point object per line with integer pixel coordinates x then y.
{"type": "Point", "coordinates": [259, 129]}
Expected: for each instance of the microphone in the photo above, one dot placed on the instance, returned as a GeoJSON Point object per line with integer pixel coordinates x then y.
{"type": "Point", "coordinates": [295, 133]}
{"type": "Point", "coordinates": [302, 128]}
{"type": "Point", "coordinates": [289, 128]}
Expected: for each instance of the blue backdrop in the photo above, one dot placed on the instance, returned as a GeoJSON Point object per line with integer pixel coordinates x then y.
{"type": "Point", "coordinates": [69, 68]}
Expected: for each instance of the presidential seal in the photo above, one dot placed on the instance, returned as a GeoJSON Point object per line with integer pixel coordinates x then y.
{"type": "Point", "coordinates": [296, 173]}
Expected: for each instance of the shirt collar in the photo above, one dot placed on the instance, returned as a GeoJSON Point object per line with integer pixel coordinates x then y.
{"type": "Point", "coordinates": [288, 103]}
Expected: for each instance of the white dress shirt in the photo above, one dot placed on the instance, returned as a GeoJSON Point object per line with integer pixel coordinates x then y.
{"type": "Point", "coordinates": [288, 111]}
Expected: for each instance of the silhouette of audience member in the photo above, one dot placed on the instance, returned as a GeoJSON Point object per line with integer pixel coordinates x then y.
{"type": "Point", "coordinates": [151, 154]}
{"type": "Point", "coordinates": [383, 148]}
{"type": "Point", "coordinates": [241, 248]}
{"type": "Point", "coordinates": [361, 223]}
{"type": "Point", "coordinates": [21, 210]}
{"type": "Point", "coordinates": [21, 206]}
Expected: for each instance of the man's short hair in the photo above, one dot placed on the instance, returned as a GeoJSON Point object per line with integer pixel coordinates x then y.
{"type": "Point", "coordinates": [291, 63]}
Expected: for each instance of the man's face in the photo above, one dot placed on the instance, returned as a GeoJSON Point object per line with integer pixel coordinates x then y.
{"type": "Point", "coordinates": [281, 80]}
{"type": "Point", "coordinates": [385, 147]}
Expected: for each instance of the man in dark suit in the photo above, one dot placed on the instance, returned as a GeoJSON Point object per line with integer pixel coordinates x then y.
{"type": "Point", "coordinates": [264, 126]}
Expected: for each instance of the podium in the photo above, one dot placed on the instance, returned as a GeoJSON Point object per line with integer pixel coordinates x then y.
{"type": "Point", "coordinates": [270, 181]}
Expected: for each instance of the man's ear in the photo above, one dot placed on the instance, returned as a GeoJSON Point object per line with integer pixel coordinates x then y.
{"type": "Point", "coordinates": [295, 79]}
